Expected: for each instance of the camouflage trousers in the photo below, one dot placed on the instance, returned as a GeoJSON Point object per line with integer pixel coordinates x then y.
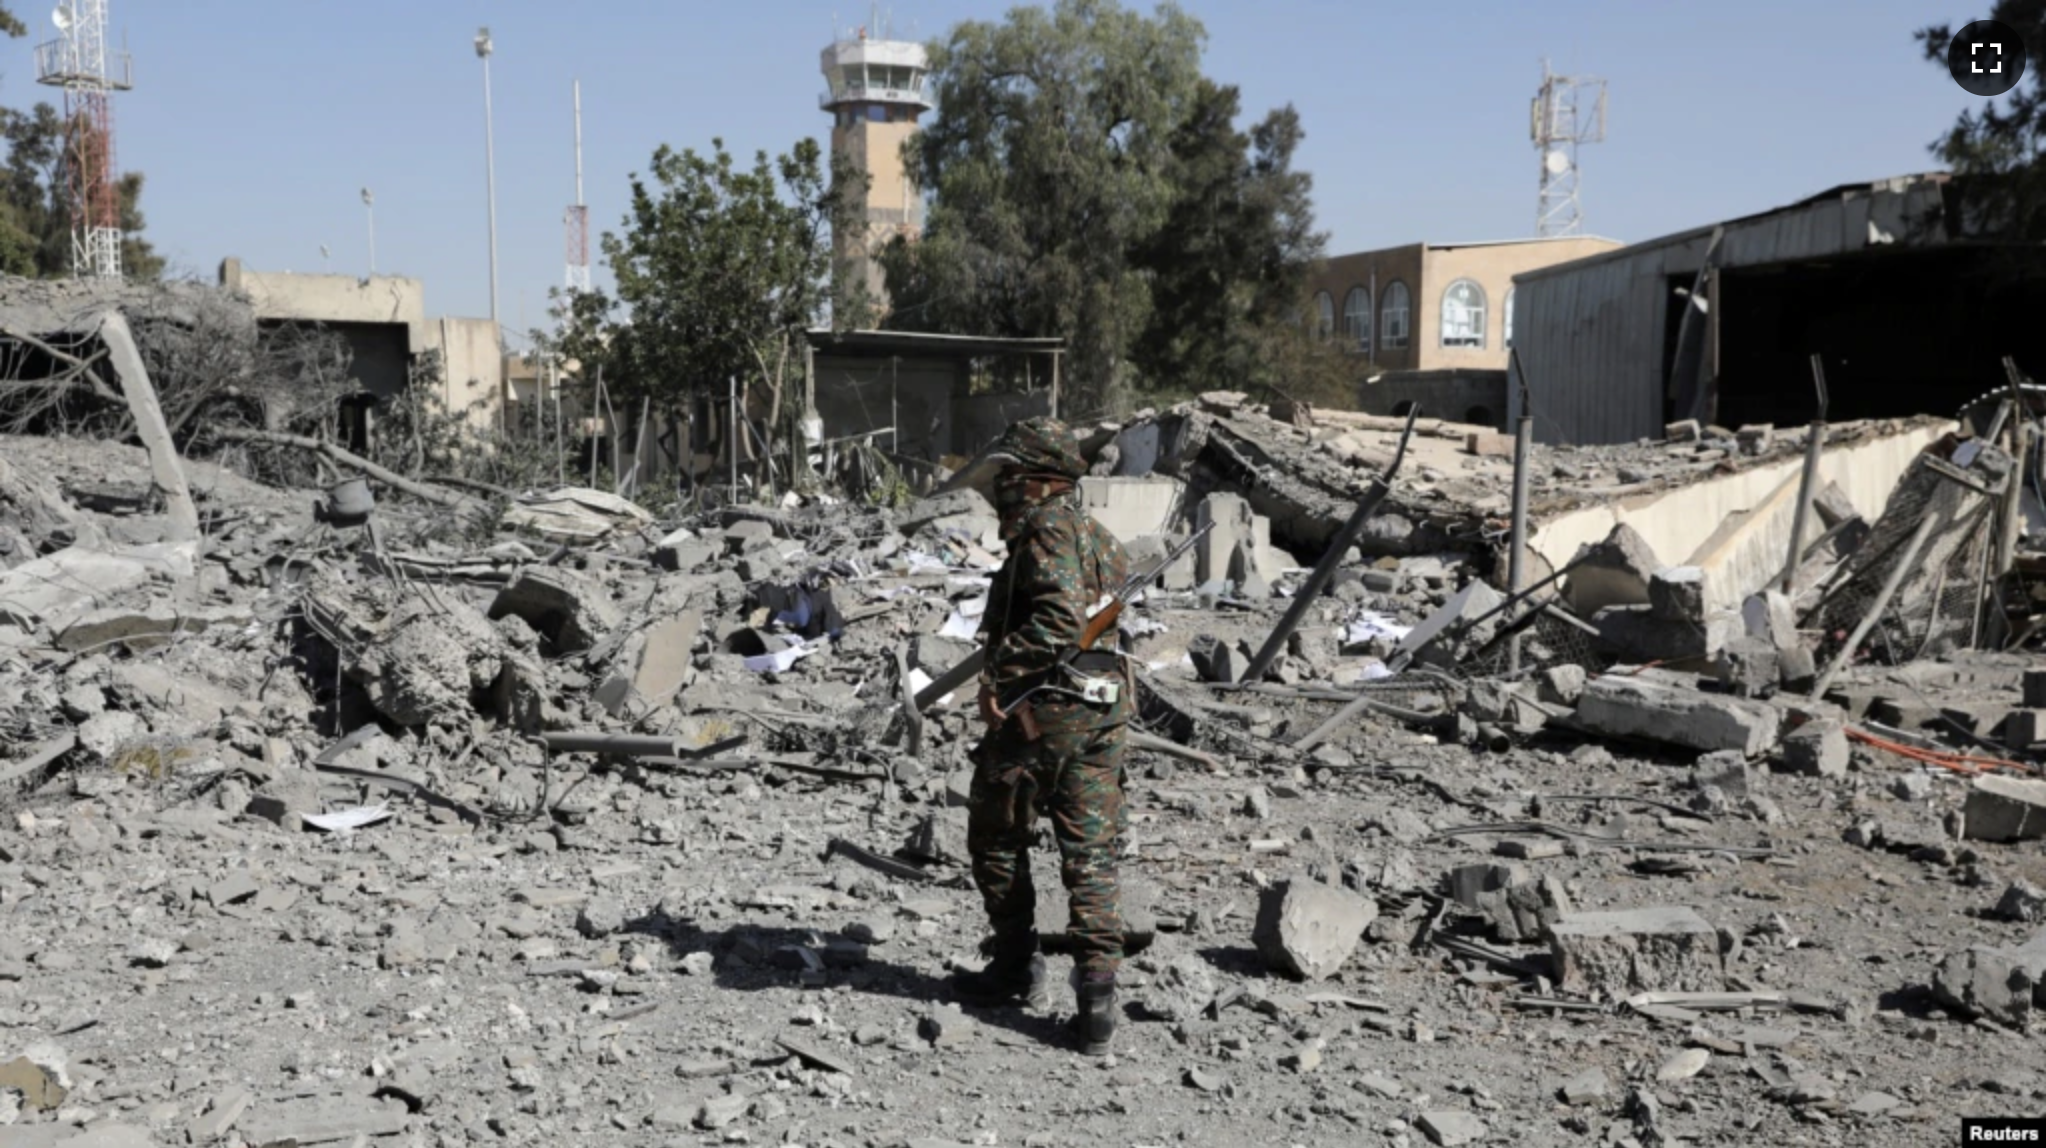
{"type": "Point", "coordinates": [1075, 778]}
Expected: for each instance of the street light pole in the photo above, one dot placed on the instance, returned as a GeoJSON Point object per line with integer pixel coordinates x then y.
{"type": "Point", "coordinates": [489, 165]}
{"type": "Point", "coordinates": [369, 208]}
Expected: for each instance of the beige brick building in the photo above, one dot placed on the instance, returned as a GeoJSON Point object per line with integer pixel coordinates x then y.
{"type": "Point", "coordinates": [1432, 307]}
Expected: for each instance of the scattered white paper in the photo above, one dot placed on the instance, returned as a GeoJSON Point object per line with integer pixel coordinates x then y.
{"type": "Point", "coordinates": [974, 607]}
{"type": "Point", "coordinates": [1371, 624]}
{"type": "Point", "coordinates": [920, 562]}
{"type": "Point", "coordinates": [345, 820]}
{"type": "Point", "coordinates": [1137, 627]}
{"type": "Point", "coordinates": [969, 582]}
{"type": "Point", "coordinates": [960, 626]}
{"type": "Point", "coordinates": [918, 681]}
{"type": "Point", "coordinates": [779, 661]}
{"type": "Point", "coordinates": [1374, 670]}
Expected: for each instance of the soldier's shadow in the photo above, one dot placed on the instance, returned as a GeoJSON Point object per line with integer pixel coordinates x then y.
{"type": "Point", "coordinates": [756, 958]}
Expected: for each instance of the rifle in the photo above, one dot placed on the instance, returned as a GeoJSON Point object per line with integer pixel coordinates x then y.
{"type": "Point", "coordinates": [1102, 621]}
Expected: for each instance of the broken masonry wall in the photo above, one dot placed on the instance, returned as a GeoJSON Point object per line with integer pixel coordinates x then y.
{"type": "Point", "coordinates": [1737, 526]}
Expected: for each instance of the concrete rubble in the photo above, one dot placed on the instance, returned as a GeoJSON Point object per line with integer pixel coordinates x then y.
{"type": "Point", "coordinates": [594, 822]}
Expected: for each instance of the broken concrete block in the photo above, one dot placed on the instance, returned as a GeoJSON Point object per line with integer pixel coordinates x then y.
{"type": "Point", "coordinates": [1308, 929]}
{"type": "Point", "coordinates": [1562, 684]}
{"type": "Point", "coordinates": [2024, 728]}
{"type": "Point", "coordinates": [104, 735]}
{"type": "Point", "coordinates": [286, 798]}
{"type": "Point", "coordinates": [1618, 705]}
{"type": "Point", "coordinates": [653, 665]}
{"type": "Point", "coordinates": [1216, 660]}
{"type": "Point", "coordinates": [1635, 633]}
{"type": "Point", "coordinates": [2004, 809]}
{"type": "Point", "coordinates": [1818, 747]}
{"type": "Point", "coordinates": [1729, 771]}
{"type": "Point", "coordinates": [2034, 686]}
{"type": "Point", "coordinates": [1619, 952]}
{"type": "Point", "coordinates": [1677, 594]}
{"type": "Point", "coordinates": [2004, 984]}
{"type": "Point", "coordinates": [560, 605]}
{"type": "Point", "coordinates": [1797, 670]}
{"type": "Point", "coordinates": [40, 1075]}
{"type": "Point", "coordinates": [1450, 1128]}
{"type": "Point", "coordinates": [1515, 905]}
{"type": "Point", "coordinates": [1488, 444]}
{"type": "Point", "coordinates": [747, 534]}
{"type": "Point", "coordinates": [1747, 667]}
{"type": "Point", "coordinates": [1772, 617]}
{"type": "Point", "coordinates": [683, 551]}
{"type": "Point", "coordinates": [1614, 572]}
{"type": "Point", "coordinates": [1683, 430]}
{"type": "Point", "coordinates": [2022, 901]}
{"type": "Point", "coordinates": [1754, 439]}
{"type": "Point", "coordinates": [1232, 524]}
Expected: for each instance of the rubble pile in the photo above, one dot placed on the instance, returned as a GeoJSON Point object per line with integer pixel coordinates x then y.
{"type": "Point", "coordinates": [591, 825]}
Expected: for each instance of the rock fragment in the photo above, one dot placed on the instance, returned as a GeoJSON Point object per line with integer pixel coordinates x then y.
{"type": "Point", "coordinates": [1619, 952]}
{"type": "Point", "coordinates": [1308, 929]}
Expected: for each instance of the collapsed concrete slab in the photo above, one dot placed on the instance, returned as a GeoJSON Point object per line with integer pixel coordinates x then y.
{"type": "Point", "coordinates": [56, 590]}
{"type": "Point", "coordinates": [1134, 506]}
{"type": "Point", "coordinates": [145, 628]}
{"type": "Point", "coordinates": [1619, 952]}
{"type": "Point", "coordinates": [1620, 705]}
{"type": "Point", "coordinates": [560, 605]}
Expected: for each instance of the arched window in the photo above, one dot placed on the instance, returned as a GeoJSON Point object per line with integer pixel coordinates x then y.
{"type": "Point", "coordinates": [1398, 306]}
{"type": "Point", "coordinates": [1324, 317]}
{"type": "Point", "coordinates": [1463, 315]}
{"type": "Point", "coordinates": [1506, 334]}
{"type": "Point", "coordinates": [1357, 320]}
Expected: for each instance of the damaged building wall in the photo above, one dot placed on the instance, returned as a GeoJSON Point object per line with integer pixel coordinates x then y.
{"type": "Point", "coordinates": [1597, 336]}
{"type": "Point", "coordinates": [1737, 526]}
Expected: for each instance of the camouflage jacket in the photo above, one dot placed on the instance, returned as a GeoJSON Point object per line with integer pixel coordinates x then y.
{"type": "Point", "coordinates": [1061, 562]}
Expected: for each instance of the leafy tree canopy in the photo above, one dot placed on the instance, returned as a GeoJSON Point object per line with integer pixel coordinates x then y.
{"type": "Point", "coordinates": [1088, 181]}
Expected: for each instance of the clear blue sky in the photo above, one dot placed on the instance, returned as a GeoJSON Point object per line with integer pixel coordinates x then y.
{"type": "Point", "coordinates": [257, 122]}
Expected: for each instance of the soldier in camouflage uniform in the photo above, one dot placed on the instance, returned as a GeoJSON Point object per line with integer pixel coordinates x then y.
{"type": "Point", "coordinates": [1061, 563]}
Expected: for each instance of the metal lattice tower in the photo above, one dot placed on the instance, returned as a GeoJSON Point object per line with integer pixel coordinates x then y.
{"type": "Point", "coordinates": [576, 221]}
{"type": "Point", "coordinates": [1558, 122]}
{"type": "Point", "coordinates": [78, 62]}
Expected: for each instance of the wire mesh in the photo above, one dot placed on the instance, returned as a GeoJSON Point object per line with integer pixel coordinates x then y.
{"type": "Point", "coordinates": [1936, 605]}
{"type": "Point", "coordinates": [1545, 642]}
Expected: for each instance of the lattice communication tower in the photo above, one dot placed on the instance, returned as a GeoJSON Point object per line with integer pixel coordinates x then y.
{"type": "Point", "coordinates": [1567, 111]}
{"type": "Point", "coordinates": [79, 62]}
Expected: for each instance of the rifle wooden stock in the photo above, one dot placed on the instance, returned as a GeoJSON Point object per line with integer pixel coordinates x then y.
{"type": "Point", "coordinates": [1100, 624]}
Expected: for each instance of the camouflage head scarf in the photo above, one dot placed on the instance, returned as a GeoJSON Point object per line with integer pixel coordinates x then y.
{"type": "Point", "coordinates": [1041, 446]}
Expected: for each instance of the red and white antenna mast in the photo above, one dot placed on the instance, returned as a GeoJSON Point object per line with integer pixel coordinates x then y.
{"type": "Point", "coordinates": [577, 219]}
{"type": "Point", "coordinates": [78, 62]}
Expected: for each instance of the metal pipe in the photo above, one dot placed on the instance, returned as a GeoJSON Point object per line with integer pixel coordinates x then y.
{"type": "Point", "coordinates": [1904, 565]}
{"type": "Point", "coordinates": [1807, 487]}
{"type": "Point", "coordinates": [1303, 598]}
{"type": "Point", "coordinates": [483, 48]}
{"type": "Point", "coordinates": [732, 447]}
{"type": "Point", "coordinates": [1516, 555]}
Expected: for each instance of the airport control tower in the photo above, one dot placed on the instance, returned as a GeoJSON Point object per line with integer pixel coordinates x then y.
{"type": "Point", "coordinates": [875, 92]}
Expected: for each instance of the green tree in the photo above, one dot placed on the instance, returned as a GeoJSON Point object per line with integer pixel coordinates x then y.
{"type": "Point", "coordinates": [1997, 149]}
{"type": "Point", "coordinates": [1088, 181]}
{"type": "Point", "coordinates": [1229, 267]}
{"type": "Point", "coordinates": [1049, 163]}
{"type": "Point", "coordinates": [719, 271]}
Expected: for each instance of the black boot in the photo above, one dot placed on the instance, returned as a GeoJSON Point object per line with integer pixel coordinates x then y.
{"type": "Point", "coordinates": [1094, 1023]}
{"type": "Point", "coordinates": [1014, 976]}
